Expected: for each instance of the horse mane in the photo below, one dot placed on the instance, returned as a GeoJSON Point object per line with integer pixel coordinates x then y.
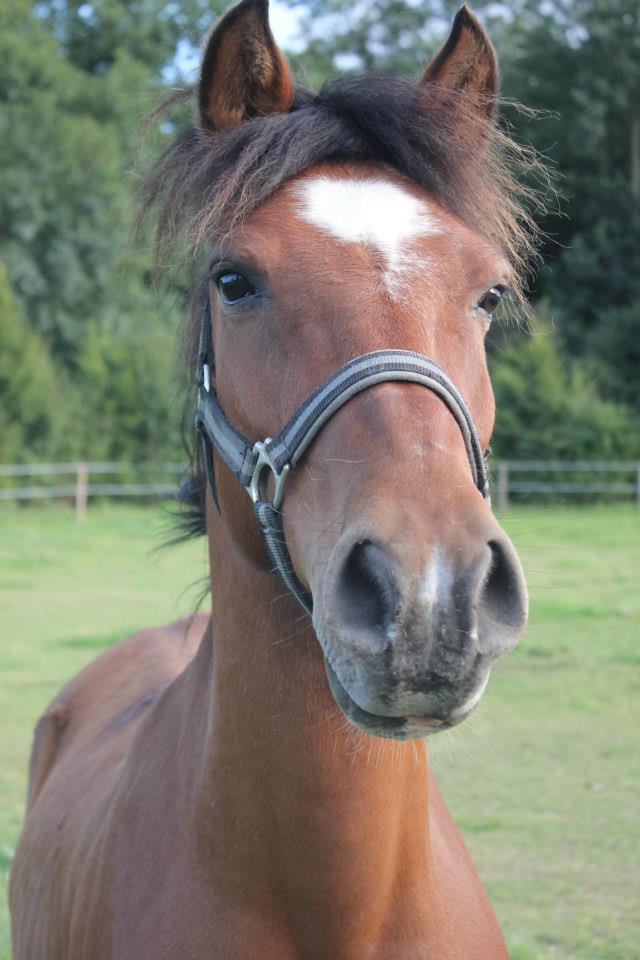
{"type": "Point", "coordinates": [206, 182]}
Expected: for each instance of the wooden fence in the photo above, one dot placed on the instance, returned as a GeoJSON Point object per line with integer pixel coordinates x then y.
{"type": "Point", "coordinates": [79, 482]}
{"type": "Point", "coordinates": [552, 478]}
{"type": "Point", "coordinates": [74, 481]}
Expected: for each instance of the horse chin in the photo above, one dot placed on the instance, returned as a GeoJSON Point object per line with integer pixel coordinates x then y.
{"type": "Point", "coordinates": [395, 728]}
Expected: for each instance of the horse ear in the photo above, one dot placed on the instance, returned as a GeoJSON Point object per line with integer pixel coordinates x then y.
{"type": "Point", "coordinates": [467, 63]}
{"type": "Point", "coordinates": [244, 74]}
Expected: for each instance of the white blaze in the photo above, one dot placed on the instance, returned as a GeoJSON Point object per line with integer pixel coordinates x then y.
{"type": "Point", "coordinates": [436, 580]}
{"type": "Point", "coordinates": [378, 213]}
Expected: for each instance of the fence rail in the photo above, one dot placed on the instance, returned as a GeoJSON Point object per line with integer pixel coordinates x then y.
{"type": "Point", "coordinates": [587, 478]}
{"type": "Point", "coordinates": [80, 489]}
{"type": "Point", "coordinates": [52, 469]}
{"type": "Point", "coordinates": [615, 478]}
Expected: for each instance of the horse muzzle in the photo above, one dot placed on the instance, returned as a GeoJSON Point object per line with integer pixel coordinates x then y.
{"type": "Point", "coordinates": [409, 653]}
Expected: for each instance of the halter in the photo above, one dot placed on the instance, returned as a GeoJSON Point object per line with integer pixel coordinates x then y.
{"type": "Point", "coordinates": [248, 461]}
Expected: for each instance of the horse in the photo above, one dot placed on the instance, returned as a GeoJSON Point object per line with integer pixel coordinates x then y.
{"type": "Point", "coordinates": [255, 782]}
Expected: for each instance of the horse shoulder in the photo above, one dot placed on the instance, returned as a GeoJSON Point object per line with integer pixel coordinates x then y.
{"type": "Point", "coordinates": [46, 740]}
{"type": "Point", "coordinates": [79, 754]}
{"type": "Point", "coordinates": [115, 687]}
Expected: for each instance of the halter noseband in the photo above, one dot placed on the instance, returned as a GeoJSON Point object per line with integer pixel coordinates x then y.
{"type": "Point", "coordinates": [280, 454]}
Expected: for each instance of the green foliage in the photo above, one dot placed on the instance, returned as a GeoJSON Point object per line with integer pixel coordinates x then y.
{"type": "Point", "coordinates": [383, 35]}
{"type": "Point", "coordinates": [615, 347]}
{"type": "Point", "coordinates": [28, 418]}
{"type": "Point", "coordinates": [580, 62]}
{"type": "Point", "coordinates": [127, 383]}
{"type": "Point", "coordinates": [94, 34]}
{"type": "Point", "coordinates": [64, 206]}
{"type": "Point", "coordinates": [548, 407]}
{"type": "Point", "coordinates": [68, 133]}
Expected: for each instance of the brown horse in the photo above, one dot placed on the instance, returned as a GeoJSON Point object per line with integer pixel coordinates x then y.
{"type": "Point", "coordinates": [203, 790]}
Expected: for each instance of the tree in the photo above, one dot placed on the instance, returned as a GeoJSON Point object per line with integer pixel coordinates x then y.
{"type": "Point", "coordinates": [68, 133]}
{"type": "Point", "coordinates": [31, 404]}
{"type": "Point", "coordinates": [64, 208]}
{"type": "Point", "coordinates": [548, 408]}
{"type": "Point", "coordinates": [581, 62]}
{"type": "Point", "coordinates": [94, 34]}
{"type": "Point", "coordinates": [383, 35]}
{"type": "Point", "coordinates": [132, 406]}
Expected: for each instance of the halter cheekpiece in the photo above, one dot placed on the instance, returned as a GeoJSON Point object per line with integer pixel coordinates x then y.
{"type": "Point", "coordinates": [279, 455]}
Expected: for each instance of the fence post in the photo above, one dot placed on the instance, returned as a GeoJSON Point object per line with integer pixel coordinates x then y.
{"type": "Point", "coordinates": [638, 486]}
{"type": "Point", "coordinates": [82, 490]}
{"type": "Point", "coordinates": [503, 485]}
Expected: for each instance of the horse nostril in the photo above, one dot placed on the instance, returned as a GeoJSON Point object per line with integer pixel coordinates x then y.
{"type": "Point", "coordinates": [502, 600]}
{"type": "Point", "coordinates": [367, 593]}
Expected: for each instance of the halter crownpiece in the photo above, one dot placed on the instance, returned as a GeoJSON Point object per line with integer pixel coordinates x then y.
{"type": "Point", "coordinates": [248, 461]}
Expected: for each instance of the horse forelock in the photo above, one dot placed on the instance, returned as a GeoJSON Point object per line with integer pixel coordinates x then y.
{"type": "Point", "coordinates": [207, 181]}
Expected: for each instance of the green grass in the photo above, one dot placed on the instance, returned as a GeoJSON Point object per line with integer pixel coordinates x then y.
{"type": "Point", "coordinates": [543, 780]}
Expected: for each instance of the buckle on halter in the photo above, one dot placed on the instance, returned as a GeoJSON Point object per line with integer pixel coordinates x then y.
{"type": "Point", "coordinates": [264, 460]}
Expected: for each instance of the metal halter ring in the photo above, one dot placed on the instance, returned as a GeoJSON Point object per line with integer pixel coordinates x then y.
{"type": "Point", "coordinates": [264, 461]}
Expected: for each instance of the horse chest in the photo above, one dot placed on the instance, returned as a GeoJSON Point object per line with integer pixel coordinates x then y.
{"type": "Point", "coordinates": [179, 912]}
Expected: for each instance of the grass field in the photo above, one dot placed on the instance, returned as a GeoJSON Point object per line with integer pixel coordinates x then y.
{"type": "Point", "coordinates": [544, 780]}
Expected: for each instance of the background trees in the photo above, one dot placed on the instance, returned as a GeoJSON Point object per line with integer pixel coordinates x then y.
{"type": "Point", "coordinates": [76, 79]}
{"type": "Point", "coordinates": [77, 311]}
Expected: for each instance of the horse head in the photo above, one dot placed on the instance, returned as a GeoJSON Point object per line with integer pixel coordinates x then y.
{"type": "Point", "coordinates": [371, 216]}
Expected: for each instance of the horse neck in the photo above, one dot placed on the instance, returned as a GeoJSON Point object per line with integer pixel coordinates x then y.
{"type": "Point", "coordinates": [296, 793]}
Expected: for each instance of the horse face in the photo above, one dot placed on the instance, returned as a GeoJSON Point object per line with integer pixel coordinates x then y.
{"type": "Point", "coordinates": [416, 589]}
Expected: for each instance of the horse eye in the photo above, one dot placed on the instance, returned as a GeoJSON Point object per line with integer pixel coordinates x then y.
{"type": "Point", "coordinates": [233, 288]}
{"type": "Point", "coordinates": [491, 299]}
